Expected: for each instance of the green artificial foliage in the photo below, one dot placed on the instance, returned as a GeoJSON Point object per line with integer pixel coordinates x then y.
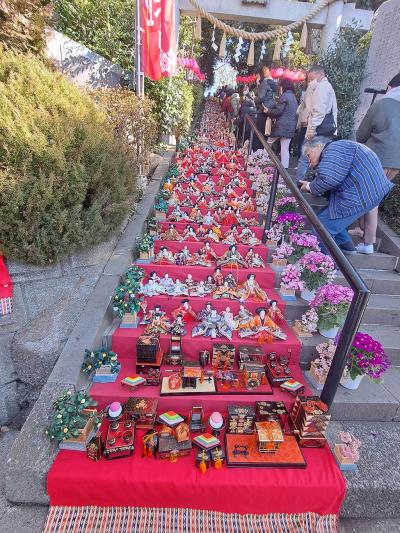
{"type": "Point", "coordinates": [66, 181]}
{"type": "Point", "coordinates": [125, 299]}
{"type": "Point", "coordinates": [104, 26]}
{"type": "Point", "coordinates": [161, 205]}
{"type": "Point", "coordinates": [69, 418]}
{"type": "Point", "coordinates": [390, 208]}
{"type": "Point", "coordinates": [134, 274]}
{"type": "Point", "coordinates": [145, 244]}
{"type": "Point", "coordinates": [344, 64]}
{"type": "Point", "coordinates": [95, 359]}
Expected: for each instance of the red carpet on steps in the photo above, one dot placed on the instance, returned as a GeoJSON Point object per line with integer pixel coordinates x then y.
{"type": "Point", "coordinates": [144, 482]}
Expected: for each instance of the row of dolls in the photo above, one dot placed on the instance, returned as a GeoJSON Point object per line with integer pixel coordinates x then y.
{"type": "Point", "coordinates": [232, 236]}
{"type": "Point", "coordinates": [203, 181]}
{"type": "Point", "coordinates": [206, 257]}
{"type": "Point", "coordinates": [204, 202]}
{"type": "Point", "coordinates": [216, 285]}
{"type": "Point", "coordinates": [224, 217]}
{"type": "Point", "coordinates": [262, 325]}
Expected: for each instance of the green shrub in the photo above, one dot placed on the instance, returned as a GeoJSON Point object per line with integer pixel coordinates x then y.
{"type": "Point", "coordinates": [65, 181]}
{"type": "Point", "coordinates": [390, 209]}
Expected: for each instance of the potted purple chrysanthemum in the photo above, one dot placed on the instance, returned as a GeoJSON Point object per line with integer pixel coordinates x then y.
{"type": "Point", "coordinates": [366, 358]}
{"type": "Point", "coordinates": [316, 269]}
{"type": "Point", "coordinates": [331, 302]}
{"type": "Point", "coordinates": [290, 223]}
{"type": "Point", "coordinates": [286, 204]}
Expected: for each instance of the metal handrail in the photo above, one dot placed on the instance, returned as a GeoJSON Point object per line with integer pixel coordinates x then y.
{"type": "Point", "coordinates": [361, 291]}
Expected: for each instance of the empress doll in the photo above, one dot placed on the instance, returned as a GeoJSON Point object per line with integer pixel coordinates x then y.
{"type": "Point", "coordinates": [251, 290]}
{"type": "Point", "coordinates": [185, 310]}
{"type": "Point", "coordinates": [261, 327]}
{"type": "Point", "coordinates": [164, 257]}
{"type": "Point", "coordinates": [253, 259]}
{"type": "Point", "coordinates": [171, 234]}
{"type": "Point", "coordinates": [232, 258]}
{"type": "Point", "coordinates": [189, 234]}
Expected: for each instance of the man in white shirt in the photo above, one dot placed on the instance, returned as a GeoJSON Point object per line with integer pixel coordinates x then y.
{"type": "Point", "coordinates": [322, 112]}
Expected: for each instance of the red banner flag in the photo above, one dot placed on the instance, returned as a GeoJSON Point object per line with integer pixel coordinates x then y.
{"type": "Point", "coordinates": [158, 38]}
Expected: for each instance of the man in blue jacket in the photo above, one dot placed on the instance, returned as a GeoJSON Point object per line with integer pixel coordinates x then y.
{"type": "Point", "coordinates": [352, 176]}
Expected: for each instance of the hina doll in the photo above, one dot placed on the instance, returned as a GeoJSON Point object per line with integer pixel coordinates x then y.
{"type": "Point", "coordinates": [225, 291]}
{"type": "Point", "coordinates": [186, 202]}
{"type": "Point", "coordinates": [208, 188]}
{"type": "Point", "coordinates": [212, 326]}
{"type": "Point", "coordinates": [180, 289]}
{"type": "Point", "coordinates": [230, 193]}
{"type": "Point", "coordinates": [221, 180]}
{"type": "Point", "coordinates": [167, 285]}
{"type": "Point", "coordinates": [185, 310]}
{"type": "Point", "coordinates": [189, 282]}
{"type": "Point", "coordinates": [253, 259]}
{"type": "Point", "coordinates": [211, 235]}
{"type": "Point", "coordinates": [158, 324]}
{"type": "Point", "coordinates": [218, 277]}
{"type": "Point", "coordinates": [208, 219]}
{"type": "Point", "coordinates": [202, 202]}
{"type": "Point", "coordinates": [229, 320]}
{"type": "Point", "coordinates": [247, 237]}
{"type": "Point", "coordinates": [178, 326]}
{"type": "Point", "coordinates": [184, 257]}
{"type": "Point", "coordinates": [152, 287]}
{"type": "Point", "coordinates": [229, 218]}
{"type": "Point", "coordinates": [209, 283]}
{"type": "Point", "coordinates": [189, 234]}
{"type": "Point", "coordinates": [200, 258]}
{"type": "Point", "coordinates": [164, 257]}
{"type": "Point", "coordinates": [168, 185]}
{"type": "Point", "coordinates": [178, 215]}
{"type": "Point", "coordinates": [230, 280]}
{"type": "Point", "coordinates": [205, 312]}
{"type": "Point", "coordinates": [251, 290]}
{"type": "Point", "coordinates": [274, 313]}
{"type": "Point", "coordinates": [232, 258]}
{"type": "Point", "coordinates": [242, 317]}
{"type": "Point", "coordinates": [261, 327]}
{"type": "Point", "coordinates": [209, 252]}
{"type": "Point", "coordinates": [171, 234]}
{"type": "Point", "coordinates": [201, 232]}
{"type": "Point", "coordinates": [195, 214]}
{"type": "Point", "coordinates": [231, 236]}
{"type": "Point", "coordinates": [199, 290]}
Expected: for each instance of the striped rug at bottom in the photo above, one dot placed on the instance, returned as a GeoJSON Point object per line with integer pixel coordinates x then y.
{"type": "Point", "coordinates": [155, 520]}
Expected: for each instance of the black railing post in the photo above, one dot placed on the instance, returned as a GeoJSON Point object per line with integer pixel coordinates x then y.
{"type": "Point", "coordinates": [271, 203]}
{"type": "Point", "coordinates": [349, 330]}
{"type": "Point", "coordinates": [250, 142]}
{"type": "Point", "coordinates": [244, 129]}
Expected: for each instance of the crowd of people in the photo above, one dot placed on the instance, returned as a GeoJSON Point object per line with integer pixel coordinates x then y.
{"type": "Point", "coordinates": [355, 176]}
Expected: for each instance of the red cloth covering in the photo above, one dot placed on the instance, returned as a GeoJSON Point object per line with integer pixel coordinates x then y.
{"type": "Point", "coordinates": [181, 226]}
{"type": "Point", "coordinates": [147, 482]}
{"type": "Point", "coordinates": [219, 249]}
{"type": "Point", "coordinates": [6, 286]}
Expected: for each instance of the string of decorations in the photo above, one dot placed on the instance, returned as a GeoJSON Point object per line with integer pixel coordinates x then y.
{"type": "Point", "coordinates": [190, 63]}
{"type": "Point", "coordinates": [276, 73]}
{"type": "Point", "coordinates": [255, 36]}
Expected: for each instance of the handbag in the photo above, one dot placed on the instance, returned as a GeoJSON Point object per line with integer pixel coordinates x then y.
{"type": "Point", "coordinates": [268, 126]}
{"type": "Point", "coordinates": [327, 127]}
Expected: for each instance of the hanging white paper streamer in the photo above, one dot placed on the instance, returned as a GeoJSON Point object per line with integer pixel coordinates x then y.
{"type": "Point", "coordinates": [238, 50]}
{"type": "Point", "coordinates": [263, 50]}
{"type": "Point", "coordinates": [213, 43]}
{"type": "Point", "coordinates": [287, 45]}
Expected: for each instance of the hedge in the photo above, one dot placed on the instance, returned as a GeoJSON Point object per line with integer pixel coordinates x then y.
{"type": "Point", "coordinates": [65, 180]}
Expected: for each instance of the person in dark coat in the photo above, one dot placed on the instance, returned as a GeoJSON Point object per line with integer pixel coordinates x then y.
{"type": "Point", "coordinates": [248, 108]}
{"type": "Point", "coordinates": [265, 97]}
{"type": "Point", "coordinates": [285, 113]}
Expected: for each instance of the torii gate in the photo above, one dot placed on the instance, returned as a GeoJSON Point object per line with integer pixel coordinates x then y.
{"type": "Point", "coordinates": [283, 12]}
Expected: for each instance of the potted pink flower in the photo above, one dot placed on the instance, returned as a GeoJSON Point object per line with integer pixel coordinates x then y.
{"type": "Point", "coordinates": [290, 223]}
{"type": "Point", "coordinates": [316, 269]}
{"type": "Point", "coordinates": [286, 204]}
{"type": "Point", "coordinates": [347, 452]}
{"type": "Point", "coordinates": [307, 325]}
{"type": "Point", "coordinates": [273, 235]}
{"type": "Point", "coordinates": [366, 358]}
{"type": "Point", "coordinates": [320, 366]}
{"type": "Point", "coordinates": [331, 302]}
{"type": "Point", "coordinates": [280, 256]}
{"type": "Point", "coordinates": [290, 282]}
{"type": "Point", "coordinates": [302, 244]}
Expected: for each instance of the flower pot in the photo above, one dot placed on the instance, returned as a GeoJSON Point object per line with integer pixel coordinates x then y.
{"type": "Point", "coordinates": [79, 443]}
{"type": "Point", "coordinates": [160, 215]}
{"type": "Point", "coordinates": [345, 463]}
{"type": "Point", "coordinates": [300, 330]}
{"type": "Point", "coordinates": [319, 377]}
{"type": "Point", "coordinates": [287, 294]}
{"type": "Point", "coordinates": [278, 265]}
{"type": "Point", "coordinates": [329, 333]}
{"type": "Point", "coordinates": [129, 320]}
{"type": "Point", "coordinates": [307, 295]}
{"type": "Point", "coordinates": [269, 242]}
{"type": "Point", "coordinates": [104, 375]}
{"type": "Point", "coordinates": [351, 384]}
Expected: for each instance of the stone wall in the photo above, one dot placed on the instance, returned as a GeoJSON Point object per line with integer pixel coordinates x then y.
{"type": "Point", "coordinates": [384, 54]}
